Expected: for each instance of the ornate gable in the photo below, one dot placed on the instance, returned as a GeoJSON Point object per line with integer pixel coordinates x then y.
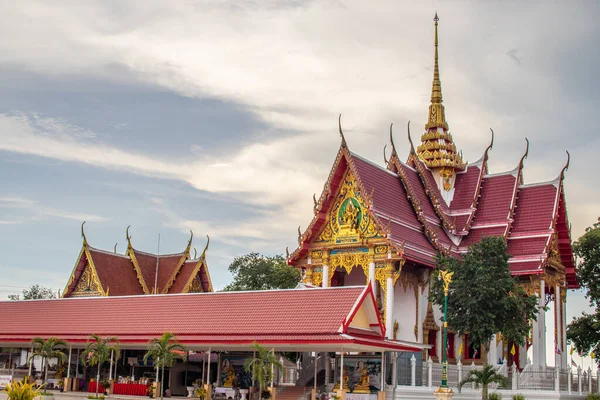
{"type": "Point", "coordinates": [87, 283]}
{"type": "Point", "coordinates": [348, 221]}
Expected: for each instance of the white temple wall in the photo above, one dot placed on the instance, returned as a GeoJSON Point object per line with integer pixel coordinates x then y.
{"type": "Point", "coordinates": [405, 312]}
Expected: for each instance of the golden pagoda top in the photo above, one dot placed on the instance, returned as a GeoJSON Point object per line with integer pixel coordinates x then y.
{"type": "Point", "coordinates": [437, 149]}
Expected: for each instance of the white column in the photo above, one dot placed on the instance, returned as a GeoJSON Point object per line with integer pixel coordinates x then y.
{"type": "Point", "coordinates": [342, 371]}
{"type": "Point", "coordinates": [382, 385]}
{"type": "Point", "coordinates": [538, 337]}
{"type": "Point", "coordinates": [493, 351]}
{"type": "Point", "coordinates": [315, 369]}
{"type": "Point", "coordinates": [31, 359]}
{"type": "Point", "coordinates": [413, 370]}
{"type": "Point", "coordinates": [395, 370]}
{"type": "Point", "coordinates": [389, 303]}
{"type": "Point", "coordinates": [558, 328]}
{"type": "Point", "coordinates": [208, 368]}
{"type": "Point", "coordinates": [69, 363]}
{"type": "Point", "coordinates": [372, 276]}
{"type": "Point", "coordinates": [110, 368]}
{"type": "Point", "coordinates": [325, 276]}
{"type": "Point", "coordinates": [219, 362]}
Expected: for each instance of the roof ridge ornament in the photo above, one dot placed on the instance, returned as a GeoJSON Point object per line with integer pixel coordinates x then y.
{"type": "Point", "coordinates": [412, 146]}
{"type": "Point", "coordinates": [566, 167]}
{"type": "Point", "coordinates": [520, 167]}
{"type": "Point", "coordinates": [85, 242]}
{"type": "Point", "coordinates": [394, 152]}
{"type": "Point", "coordinates": [205, 247]}
{"type": "Point", "coordinates": [485, 154]}
{"type": "Point", "coordinates": [344, 145]}
{"type": "Point", "coordinates": [437, 117]}
{"type": "Point", "coordinates": [115, 248]}
{"type": "Point", "coordinates": [385, 160]}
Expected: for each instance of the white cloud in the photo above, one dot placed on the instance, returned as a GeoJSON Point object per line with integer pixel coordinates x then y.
{"type": "Point", "coordinates": [36, 210]}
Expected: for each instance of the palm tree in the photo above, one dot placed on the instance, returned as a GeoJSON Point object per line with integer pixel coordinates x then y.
{"type": "Point", "coordinates": [47, 349]}
{"type": "Point", "coordinates": [164, 351]}
{"type": "Point", "coordinates": [97, 352]}
{"type": "Point", "coordinates": [262, 366]}
{"type": "Point", "coordinates": [484, 377]}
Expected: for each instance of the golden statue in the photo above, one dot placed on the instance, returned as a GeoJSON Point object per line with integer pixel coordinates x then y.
{"type": "Point", "coordinates": [230, 374]}
{"type": "Point", "coordinates": [362, 386]}
{"type": "Point", "coordinates": [337, 385]}
{"type": "Point", "coordinates": [447, 278]}
{"type": "Point", "coordinates": [350, 214]}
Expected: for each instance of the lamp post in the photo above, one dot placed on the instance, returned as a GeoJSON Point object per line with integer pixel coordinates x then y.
{"type": "Point", "coordinates": [443, 392]}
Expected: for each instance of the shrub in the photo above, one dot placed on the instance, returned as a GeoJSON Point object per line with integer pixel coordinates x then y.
{"type": "Point", "coordinates": [593, 396]}
{"type": "Point", "coordinates": [495, 396]}
{"type": "Point", "coordinates": [21, 390]}
{"type": "Point", "coordinates": [518, 397]}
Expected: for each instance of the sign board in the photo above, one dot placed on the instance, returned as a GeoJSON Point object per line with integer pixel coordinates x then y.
{"type": "Point", "coordinates": [132, 360]}
{"type": "Point", "coordinates": [4, 379]}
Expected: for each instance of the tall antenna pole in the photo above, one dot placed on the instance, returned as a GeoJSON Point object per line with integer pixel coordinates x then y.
{"type": "Point", "coordinates": [156, 274]}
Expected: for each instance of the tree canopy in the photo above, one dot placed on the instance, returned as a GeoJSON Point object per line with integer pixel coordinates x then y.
{"type": "Point", "coordinates": [257, 272]}
{"type": "Point", "coordinates": [584, 331]}
{"type": "Point", "coordinates": [34, 292]}
{"type": "Point", "coordinates": [484, 299]}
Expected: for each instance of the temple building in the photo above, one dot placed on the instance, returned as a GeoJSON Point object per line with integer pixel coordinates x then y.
{"type": "Point", "coordinates": [384, 226]}
{"type": "Point", "coordinates": [104, 273]}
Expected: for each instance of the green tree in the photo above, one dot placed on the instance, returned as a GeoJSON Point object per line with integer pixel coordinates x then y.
{"type": "Point", "coordinates": [584, 331]}
{"type": "Point", "coordinates": [484, 377]}
{"type": "Point", "coordinates": [34, 292]}
{"type": "Point", "coordinates": [257, 272]}
{"type": "Point", "coordinates": [47, 349]}
{"type": "Point", "coordinates": [164, 351]}
{"type": "Point", "coordinates": [484, 299]}
{"type": "Point", "coordinates": [97, 352]}
{"type": "Point", "coordinates": [262, 366]}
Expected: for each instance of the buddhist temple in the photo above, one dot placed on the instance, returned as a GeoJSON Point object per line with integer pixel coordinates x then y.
{"type": "Point", "coordinates": [104, 273]}
{"type": "Point", "coordinates": [383, 225]}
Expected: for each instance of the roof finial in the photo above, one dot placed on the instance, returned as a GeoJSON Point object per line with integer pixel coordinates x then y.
{"type": "Point", "coordinates": [205, 247]}
{"type": "Point", "coordinates": [83, 234]}
{"type": "Point", "coordinates": [523, 159]}
{"type": "Point", "coordinates": [412, 146]}
{"type": "Point", "coordinates": [566, 167]}
{"type": "Point", "coordinates": [437, 117]}
{"type": "Point", "coordinates": [115, 249]}
{"type": "Point", "coordinates": [195, 253]}
{"type": "Point", "coordinates": [385, 160]}
{"type": "Point", "coordinates": [341, 133]}
{"type": "Point", "coordinates": [128, 237]}
{"type": "Point", "coordinates": [394, 153]}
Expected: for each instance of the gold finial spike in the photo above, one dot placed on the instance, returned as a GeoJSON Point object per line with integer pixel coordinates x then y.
{"type": "Point", "coordinates": [394, 153]}
{"type": "Point", "coordinates": [412, 146]}
{"type": "Point", "coordinates": [83, 234]}
{"type": "Point", "coordinates": [341, 132]}
{"type": "Point", "coordinates": [437, 117]}
{"type": "Point", "coordinates": [205, 247]}
{"type": "Point", "coordinates": [115, 249]}
{"type": "Point", "coordinates": [566, 167]}
{"type": "Point", "coordinates": [385, 160]}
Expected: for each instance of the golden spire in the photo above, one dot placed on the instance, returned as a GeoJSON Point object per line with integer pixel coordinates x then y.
{"type": "Point", "coordinates": [437, 117]}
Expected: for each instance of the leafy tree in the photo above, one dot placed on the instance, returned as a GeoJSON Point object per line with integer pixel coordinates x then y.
{"type": "Point", "coordinates": [47, 349]}
{"type": "Point", "coordinates": [34, 292]}
{"type": "Point", "coordinates": [484, 377]}
{"type": "Point", "coordinates": [257, 272]}
{"type": "Point", "coordinates": [164, 351]}
{"type": "Point", "coordinates": [484, 299]}
{"type": "Point", "coordinates": [584, 331]}
{"type": "Point", "coordinates": [97, 352]}
{"type": "Point", "coordinates": [262, 366]}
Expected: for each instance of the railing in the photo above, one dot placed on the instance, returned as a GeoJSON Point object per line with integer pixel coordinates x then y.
{"type": "Point", "coordinates": [536, 378]}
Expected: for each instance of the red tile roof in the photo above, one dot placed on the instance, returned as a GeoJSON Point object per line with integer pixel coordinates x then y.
{"type": "Point", "coordinates": [116, 273]}
{"type": "Point", "coordinates": [266, 316]}
{"type": "Point", "coordinates": [167, 264]}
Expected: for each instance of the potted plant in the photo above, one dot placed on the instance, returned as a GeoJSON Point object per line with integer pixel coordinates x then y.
{"type": "Point", "coordinates": [21, 390]}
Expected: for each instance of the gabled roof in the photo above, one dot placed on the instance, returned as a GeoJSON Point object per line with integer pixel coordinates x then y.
{"type": "Point", "coordinates": [221, 320]}
{"type": "Point", "coordinates": [134, 273]}
{"type": "Point", "coordinates": [408, 206]}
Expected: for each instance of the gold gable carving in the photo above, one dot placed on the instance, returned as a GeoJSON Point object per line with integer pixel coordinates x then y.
{"type": "Point", "coordinates": [348, 221]}
{"type": "Point", "coordinates": [88, 284]}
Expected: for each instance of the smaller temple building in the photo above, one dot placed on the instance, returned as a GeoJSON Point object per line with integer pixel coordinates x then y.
{"type": "Point", "coordinates": [104, 273]}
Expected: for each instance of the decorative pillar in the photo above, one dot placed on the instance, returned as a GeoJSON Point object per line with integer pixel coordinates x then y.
{"type": "Point", "coordinates": [563, 321]}
{"type": "Point", "coordinates": [395, 370]}
{"type": "Point", "coordinates": [429, 372]}
{"type": "Point", "coordinates": [579, 386]}
{"type": "Point", "coordinates": [413, 370]}
{"type": "Point", "coordinates": [308, 277]}
{"type": "Point", "coordinates": [538, 337]}
{"type": "Point", "coordinates": [556, 380]}
{"type": "Point", "coordinates": [389, 300]}
{"type": "Point", "coordinates": [325, 269]}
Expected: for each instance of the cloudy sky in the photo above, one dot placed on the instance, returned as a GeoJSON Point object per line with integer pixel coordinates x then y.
{"type": "Point", "coordinates": [221, 116]}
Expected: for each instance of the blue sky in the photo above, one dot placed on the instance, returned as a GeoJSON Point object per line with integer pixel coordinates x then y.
{"type": "Point", "coordinates": [221, 117]}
